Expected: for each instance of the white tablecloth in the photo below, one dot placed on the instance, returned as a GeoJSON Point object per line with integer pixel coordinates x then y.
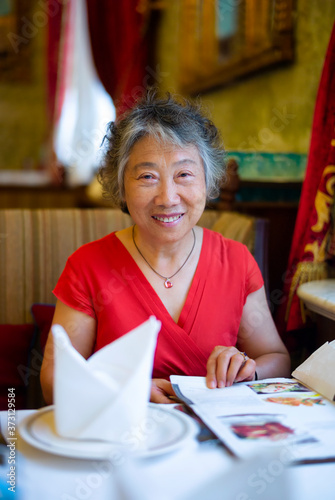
{"type": "Point", "coordinates": [197, 471]}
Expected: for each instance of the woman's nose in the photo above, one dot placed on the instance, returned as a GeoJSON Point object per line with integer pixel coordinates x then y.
{"type": "Point", "coordinates": [167, 194]}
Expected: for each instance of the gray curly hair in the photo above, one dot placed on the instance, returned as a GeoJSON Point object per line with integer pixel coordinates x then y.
{"type": "Point", "coordinates": [170, 120]}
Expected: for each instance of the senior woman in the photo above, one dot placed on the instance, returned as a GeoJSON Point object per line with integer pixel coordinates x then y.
{"type": "Point", "coordinates": [163, 160]}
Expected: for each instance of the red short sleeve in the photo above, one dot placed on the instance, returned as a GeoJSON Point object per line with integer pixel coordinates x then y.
{"type": "Point", "coordinates": [72, 288]}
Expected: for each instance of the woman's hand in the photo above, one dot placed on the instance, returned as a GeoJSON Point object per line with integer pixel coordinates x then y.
{"type": "Point", "coordinates": [258, 337]}
{"type": "Point", "coordinates": [161, 389]}
{"type": "Point", "coordinates": [227, 365]}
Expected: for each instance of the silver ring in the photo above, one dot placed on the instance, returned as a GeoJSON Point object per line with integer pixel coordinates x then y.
{"type": "Point", "coordinates": [245, 357]}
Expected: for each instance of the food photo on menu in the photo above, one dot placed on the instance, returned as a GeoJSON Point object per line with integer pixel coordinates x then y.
{"type": "Point", "coordinates": [274, 387]}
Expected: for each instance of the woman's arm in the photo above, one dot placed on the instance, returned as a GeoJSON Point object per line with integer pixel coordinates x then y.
{"type": "Point", "coordinates": [81, 329]}
{"type": "Point", "coordinates": [259, 339]}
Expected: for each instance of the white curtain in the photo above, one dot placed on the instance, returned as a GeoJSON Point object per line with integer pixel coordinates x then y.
{"type": "Point", "coordinates": [87, 107]}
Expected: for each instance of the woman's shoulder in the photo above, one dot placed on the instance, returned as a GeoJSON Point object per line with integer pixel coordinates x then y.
{"type": "Point", "coordinates": [225, 253]}
{"type": "Point", "coordinates": [218, 240]}
{"type": "Point", "coordinates": [224, 250]}
{"type": "Point", "coordinates": [96, 248]}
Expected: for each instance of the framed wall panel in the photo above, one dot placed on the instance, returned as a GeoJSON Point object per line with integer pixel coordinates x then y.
{"type": "Point", "coordinates": [222, 40]}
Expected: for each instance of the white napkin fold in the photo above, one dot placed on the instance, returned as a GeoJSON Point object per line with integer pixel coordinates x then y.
{"type": "Point", "coordinates": [318, 371]}
{"type": "Point", "coordinates": [106, 396]}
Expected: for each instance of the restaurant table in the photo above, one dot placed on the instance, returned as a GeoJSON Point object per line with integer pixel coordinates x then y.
{"type": "Point", "coordinates": [319, 297]}
{"type": "Point", "coordinates": [197, 471]}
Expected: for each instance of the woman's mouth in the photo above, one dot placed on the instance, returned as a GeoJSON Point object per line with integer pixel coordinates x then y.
{"type": "Point", "coordinates": [167, 218]}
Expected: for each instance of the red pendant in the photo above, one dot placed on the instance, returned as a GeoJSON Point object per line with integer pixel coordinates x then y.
{"type": "Point", "coordinates": [168, 283]}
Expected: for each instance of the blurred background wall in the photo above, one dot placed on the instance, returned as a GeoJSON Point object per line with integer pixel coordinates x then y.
{"type": "Point", "coordinates": [242, 109]}
{"type": "Point", "coordinates": [245, 107]}
{"type": "Point", "coordinates": [23, 113]}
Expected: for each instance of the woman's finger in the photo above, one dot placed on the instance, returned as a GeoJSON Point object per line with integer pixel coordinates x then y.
{"type": "Point", "coordinates": [247, 371]}
{"type": "Point", "coordinates": [236, 364]}
{"type": "Point", "coordinates": [160, 391]}
{"type": "Point", "coordinates": [227, 365]}
{"type": "Point", "coordinates": [218, 364]}
{"type": "Point", "coordinates": [211, 377]}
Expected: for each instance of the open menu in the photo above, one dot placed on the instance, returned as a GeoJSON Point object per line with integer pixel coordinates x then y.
{"type": "Point", "coordinates": [267, 413]}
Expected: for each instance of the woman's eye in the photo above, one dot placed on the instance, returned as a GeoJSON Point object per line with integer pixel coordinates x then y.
{"type": "Point", "coordinates": [146, 176]}
{"type": "Point", "coordinates": [184, 174]}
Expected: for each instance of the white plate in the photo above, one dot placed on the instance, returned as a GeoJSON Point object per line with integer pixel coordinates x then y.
{"type": "Point", "coordinates": [163, 431]}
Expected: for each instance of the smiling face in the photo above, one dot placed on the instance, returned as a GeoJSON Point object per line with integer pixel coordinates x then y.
{"type": "Point", "coordinates": [165, 189]}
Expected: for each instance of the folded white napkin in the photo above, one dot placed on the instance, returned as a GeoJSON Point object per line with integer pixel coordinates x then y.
{"type": "Point", "coordinates": [106, 396]}
{"type": "Point", "coordinates": [318, 371]}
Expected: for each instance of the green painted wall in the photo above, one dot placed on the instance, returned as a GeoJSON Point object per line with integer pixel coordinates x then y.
{"type": "Point", "coordinates": [248, 111]}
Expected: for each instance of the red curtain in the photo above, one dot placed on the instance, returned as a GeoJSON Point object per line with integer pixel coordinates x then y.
{"type": "Point", "coordinates": [119, 42]}
{"type": "Point", "coordinates": [119, 39]}
{"type": "Point", "coordinates": [55, 11]}
{"type": "Point", "coordinates": [307, 260]}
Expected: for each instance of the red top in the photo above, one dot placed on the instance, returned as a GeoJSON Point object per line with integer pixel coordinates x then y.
{"type": "Point", "coordinates": [102, 280]}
